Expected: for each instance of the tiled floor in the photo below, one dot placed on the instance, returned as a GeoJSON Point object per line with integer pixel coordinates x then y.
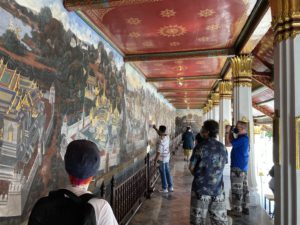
{"type": "Point", "coordinates": [173, 208]}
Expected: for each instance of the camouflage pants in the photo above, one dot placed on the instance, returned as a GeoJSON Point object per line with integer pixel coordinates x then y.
{"type": "Point", "coordinates": [203, 204]}
{"type": "Point", "coordinates": [239, 189]}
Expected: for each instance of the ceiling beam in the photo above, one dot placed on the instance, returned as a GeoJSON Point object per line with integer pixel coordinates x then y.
{"type": "Point", "coordinates": [263, 74]}
{"type": "Point", "coordinates": [264, 81]}
{"type": "Point", "coordinates": [186, 98]}
{"type": "Point", "coordinates": [262, 110]}
{"type": "Point", "coordinates": [265, 102]}
{"type": "Point", "coordinates": [191, 107]}
{"type": "Point", "coordinates": [178, 55]}
{"type": "Point", "coordinates": [166, 79]}
{"type": "Point", "coordinates": [163, 90]}
{"type": "Point", "coordinates": [72, 5]}
{"type": "Point", "coordinates": [188, 103]}
{"type": "Point", "coordinates": [253, 20]}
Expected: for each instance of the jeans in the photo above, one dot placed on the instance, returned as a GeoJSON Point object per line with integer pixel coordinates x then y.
{"type": "Point", "coordinates": [166, 178]}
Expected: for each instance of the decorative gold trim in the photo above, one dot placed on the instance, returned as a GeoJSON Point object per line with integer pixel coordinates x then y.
{"type": "Point", "coordinates": [225, 89]}
{"type": "Point", "coordinates": [209, 104]}
{"type": "Point", "coordinates": [242, 70]}
{"type": "Point", "coordinates": [297, 124]}
{"type": "Point", "coordinates": [215, 97]}
{"type": "Point", "coordinates": [285, 19]}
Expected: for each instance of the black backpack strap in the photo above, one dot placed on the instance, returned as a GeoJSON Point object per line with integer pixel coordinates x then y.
{"type": "Point", "coordinates": [86, 197]}
{"type": "Point", "coordinates": [61, 193]}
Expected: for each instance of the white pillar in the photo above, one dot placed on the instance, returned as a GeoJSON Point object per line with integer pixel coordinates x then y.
{"type": "Point", "coordinates": [287, 111]}
{"type": "Point", "coordinates": [225, 89]}
{"type": "Point", "coordinates": [210, 113]}
{"type": "Point", "coordinates": [204, 117]}
{"type": "Point", "coordinates": [242, 110]}
{"type": "Point", "coordinates": [216, 109]}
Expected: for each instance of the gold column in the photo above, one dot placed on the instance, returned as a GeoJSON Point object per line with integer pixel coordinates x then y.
{"type": "Point", "coordinates": [209, 104]}
{"type": "Point", "coordinates": [225, 89]}
{"type": "Point", "coordinates": [215, 97]}
{"type": "Point", "coordinates": [285, 19]}
{"type": "Point", "coordinates": [242, 70]}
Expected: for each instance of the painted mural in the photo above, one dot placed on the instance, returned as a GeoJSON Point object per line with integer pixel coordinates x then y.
{"type": "Point", "coordinates": [191, 118]}
{"type": "Point", "coordinates": [60, 81]}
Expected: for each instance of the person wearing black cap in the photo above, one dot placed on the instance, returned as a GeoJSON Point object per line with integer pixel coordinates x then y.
{"type": "Point", "coordinates": [82, 162]}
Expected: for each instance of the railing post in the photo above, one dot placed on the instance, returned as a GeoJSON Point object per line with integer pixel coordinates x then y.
{"type": "Point", "coordinates": [102, 190]}
{"type": "Point", "coordinates": [148, 176]}
{"type": "Point", "coordinates": [112, 193]}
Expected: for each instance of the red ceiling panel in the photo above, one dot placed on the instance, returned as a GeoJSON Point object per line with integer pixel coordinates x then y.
{"type": "Point", "coordinates": [185, 84]}
{"type": "Point", "coordinates": [170, 25]}
{"type": "Point", "coordinates": [200, 94]}
{"type": "Point", "coordinates": [182, 68]}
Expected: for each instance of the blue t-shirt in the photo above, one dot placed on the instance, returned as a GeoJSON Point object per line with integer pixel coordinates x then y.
{"type": "Point", "coordinates": [188, 140]}
{"type": "Point", "coordinates": [240, 152]}
{"type": "Point", "coordinates": [209, 159]}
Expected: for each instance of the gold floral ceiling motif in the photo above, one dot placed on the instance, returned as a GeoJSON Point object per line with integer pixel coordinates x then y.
{"type": "Point", "coordinates": [133, 21]}
{"type": "Point", "coordinates": [134, 34]}
{"type": "Point", "coordinates": [172, 30]}
{"type": "Point", "coordinates": [174, 43]}
{"type": "Point", "coordinates": [213, 27]}
{"type": "Point", "coordinates": [180, 68]}
{"type": "Point", "coordinates": [147, 44]}
{"type": "Point", "coordinates": [167, 13]}
{"type": "Point", "coordinates": [206, 12]}
{"type": "Point", "coordinates": [203, 39]}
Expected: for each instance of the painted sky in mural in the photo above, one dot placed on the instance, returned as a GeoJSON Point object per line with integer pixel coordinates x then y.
{"type": "Point", "coordinates": [60, 81]}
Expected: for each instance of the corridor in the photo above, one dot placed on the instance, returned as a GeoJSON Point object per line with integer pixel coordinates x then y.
{"type": "Point", "coordinates": [173, 208]}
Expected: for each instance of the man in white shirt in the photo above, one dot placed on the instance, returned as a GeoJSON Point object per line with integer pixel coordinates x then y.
{"type": "Point", "coordinates": [163, 157]}
{"type": "Point", "coordinates": [82, 161]}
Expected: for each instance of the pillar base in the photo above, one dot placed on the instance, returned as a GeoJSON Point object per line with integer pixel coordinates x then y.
{"type": "Point", "coordinates": [254, 199]}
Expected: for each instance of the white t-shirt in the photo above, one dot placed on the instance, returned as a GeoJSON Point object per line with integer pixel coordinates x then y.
{"type": "Point", "coordinates": [164, 149]}
{"type": "Point", "coordinates": [103, 211]}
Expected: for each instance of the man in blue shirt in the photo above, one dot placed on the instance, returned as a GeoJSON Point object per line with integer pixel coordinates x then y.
{"type": "Point", "coordinates": [207, 164]}
{"type": "Point", "coordinates": [188, 143]}
{"type": "Point", "coordinates": [238, 139]}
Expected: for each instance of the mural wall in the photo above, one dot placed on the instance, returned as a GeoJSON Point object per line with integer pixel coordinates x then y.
{"type": "Point", "coordinates": [185, 118]}
{"type": "Point", "coordinates": [60, 81]}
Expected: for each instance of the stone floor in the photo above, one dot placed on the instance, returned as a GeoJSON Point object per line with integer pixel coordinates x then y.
{"type": "Point", "coordinates": [173, 208]}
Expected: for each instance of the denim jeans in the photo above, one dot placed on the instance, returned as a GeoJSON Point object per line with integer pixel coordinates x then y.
{"type": "Point", "coordinates": [166, 178]}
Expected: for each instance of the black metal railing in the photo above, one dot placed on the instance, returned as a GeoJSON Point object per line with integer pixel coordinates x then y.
{"type": "Point", "coordinates": [126, 197]}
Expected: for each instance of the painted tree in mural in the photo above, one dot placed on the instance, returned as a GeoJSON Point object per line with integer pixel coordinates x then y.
{"type": "Point", "coordinates": [12, 43]}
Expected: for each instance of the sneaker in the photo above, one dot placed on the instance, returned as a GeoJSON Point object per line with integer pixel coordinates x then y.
{"type": "Point", "coordinates": [171, 189]}
{"type": "Point", "coordinates": [163, 190]}
{"type": "Point", "coordinates": [233, 213]}
{"type": "Point", "coordinates": [246, 211]}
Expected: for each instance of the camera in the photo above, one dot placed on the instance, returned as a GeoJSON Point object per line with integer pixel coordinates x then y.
{"type": "Point", "coordinates": [235, 130]}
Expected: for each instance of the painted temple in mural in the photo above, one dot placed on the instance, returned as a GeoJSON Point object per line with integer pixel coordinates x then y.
{"type": "Point", "coordinates": [26, 123]}
{"type": "Point", "coordinates": [100, 125]}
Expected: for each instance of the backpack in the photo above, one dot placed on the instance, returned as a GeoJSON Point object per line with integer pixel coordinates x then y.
{"type": "Point", "coordinates": [63, 207]}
